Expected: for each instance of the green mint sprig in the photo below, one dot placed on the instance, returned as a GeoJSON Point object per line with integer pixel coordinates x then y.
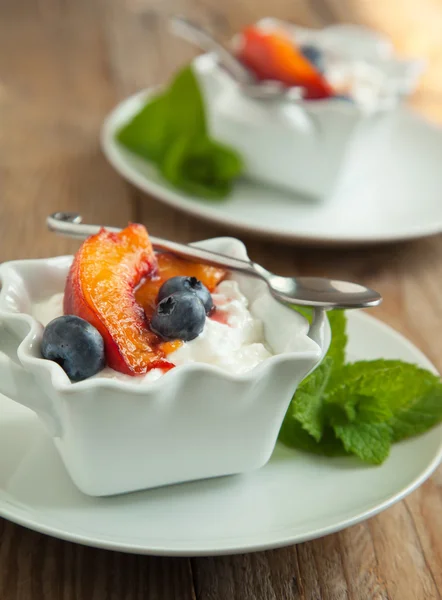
{"type": "Point", "coordinates": [171, 131]}
{"type": "Point", "coordinates": [360, 408]}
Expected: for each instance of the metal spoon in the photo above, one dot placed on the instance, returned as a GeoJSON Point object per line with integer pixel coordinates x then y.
{"type": "Point", "coordinates": [195, 34]}
{"type": "Point", "coordinates": [302, 291]}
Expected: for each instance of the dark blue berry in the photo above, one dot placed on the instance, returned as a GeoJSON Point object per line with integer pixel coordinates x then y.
{"type": "Point", "coordinates": [180, 316]}
{"type": "Point", "coordinates": [75, 345]}
{"type": "Point", "coordinates": [186, 284]}
{"type": "Point", "coordinates": [314, 55]}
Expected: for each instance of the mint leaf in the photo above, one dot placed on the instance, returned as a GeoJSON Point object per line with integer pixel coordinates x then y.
{"type": "Point", "coordinates": [338, 325]}
{"type": "Point", "coordinates": [147, 134]}
{"type": "Point", "coordinates": [360, 408]}
{"type": "Point", "coordinates": [201, 166]}
{"type": "Point", "coordinates": [356, 397]}
{"type": "Point", "coordinates": [420, 414]}
{"type": "Point", "coordinates": [179, 111]}
{"type": "Point", "coordinates": [379, 402]}
{"type": "Point", "coordinates": [170, 130]}
{"type": "Point", "coordinates": [369, 441]}
{"type": "Point", "coordinates": [307, 406]}
{"type": "Point", "coordinates": [292, 434]}
{"type": "Point", "coordinates": [395, 384]}
{"type": "Point", "coordinates": [372, 409]}
{"type": "Point", "coordinates": [186, 115]}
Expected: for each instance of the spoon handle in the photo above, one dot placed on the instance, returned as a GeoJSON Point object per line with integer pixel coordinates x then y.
{"type": "Point", "coordinates": [70, 225]}
{"type": "Point", "coordinates": [193, 33]}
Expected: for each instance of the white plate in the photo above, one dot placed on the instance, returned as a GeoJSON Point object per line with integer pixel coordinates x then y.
{"type": "Point", "coordinates": [391, 189]}
{"type": "Point", "coordinates": [294, 498]}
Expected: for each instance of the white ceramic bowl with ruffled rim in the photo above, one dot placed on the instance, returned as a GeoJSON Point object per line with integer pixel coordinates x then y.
{"type": "Point", "coordinates": [301, 146]}
{"type": "Point", "coordinates": [197, 421]}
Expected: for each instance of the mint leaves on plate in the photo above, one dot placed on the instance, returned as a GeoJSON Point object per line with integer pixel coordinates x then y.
{"type": "Point", "coordinates": [360, 408]}
{"type": "Point", "coordinates": [171, 131]}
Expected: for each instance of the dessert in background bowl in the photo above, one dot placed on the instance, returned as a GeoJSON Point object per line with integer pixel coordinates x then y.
{"type": "Point", "coordinates": [344, 62]}
{"type": "Point", "coordinates": [160, 400]}
{"type": "Point", "coordinates": [312, 93]}
{"type": "Point", "coordinates": [349, 78]}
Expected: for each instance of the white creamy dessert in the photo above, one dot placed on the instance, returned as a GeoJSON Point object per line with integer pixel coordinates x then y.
{"type": "Point", "coordinates": [357, 62]}
{"type": "Point", "coordinates": [302, 146]}
{"type": "Point", "coordinates": [232, 339]}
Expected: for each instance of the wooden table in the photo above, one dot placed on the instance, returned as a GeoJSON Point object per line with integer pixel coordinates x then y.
{"type": "Point", "coordinates": [63, 65]}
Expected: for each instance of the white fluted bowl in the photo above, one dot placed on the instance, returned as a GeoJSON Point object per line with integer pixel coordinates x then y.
{"type": "Point", "coordinates": [197, 421]}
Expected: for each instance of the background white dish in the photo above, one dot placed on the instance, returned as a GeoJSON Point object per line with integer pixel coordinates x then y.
{"type": "Point", "coordinates": [294, 498]}
{"type": "Point", "coordinates": [391, 189]}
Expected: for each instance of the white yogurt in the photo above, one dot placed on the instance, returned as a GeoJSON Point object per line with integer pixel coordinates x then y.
{"type": "Point", "coordinates": [370, 87]}
{"type": "Point", "coordinates": [236, 345]}
{"type": "Point", "coordinates": [232, 340]}
{"type": "Point", "coordinates": [359, 63]}
{"type": "Point", "coordinates": [48, 309]}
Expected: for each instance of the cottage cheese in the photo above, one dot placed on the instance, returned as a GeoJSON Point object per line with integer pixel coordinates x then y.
{"type": "Point", "coordinates": [232, 339]}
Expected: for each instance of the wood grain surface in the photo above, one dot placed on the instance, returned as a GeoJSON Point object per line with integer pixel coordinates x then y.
{"type": "Point", "coordinates": [63, 65]}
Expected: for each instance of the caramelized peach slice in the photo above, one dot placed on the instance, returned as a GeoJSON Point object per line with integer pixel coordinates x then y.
{"type": "Point", "coordinates": [100, 289]}
{"type": "Point", "coordinates": [169, 266]}
{"type": "Point", "coordinates": [273, 55]}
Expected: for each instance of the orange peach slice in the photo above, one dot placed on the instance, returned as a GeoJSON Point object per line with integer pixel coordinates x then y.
{"type": "Point", "coordinates": [100, 289]}
{"type": "Point", "coordinates": [272, 55]}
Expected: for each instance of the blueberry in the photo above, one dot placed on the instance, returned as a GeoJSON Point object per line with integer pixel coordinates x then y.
{"type": "Point", "coordinates": [75, 345]}
{"type": "Point", "coordinates": [180, 316]}
{"type": "Point", "coordinates": [186, 284]}
{"type": "Point", "coordinates": [314, 55]}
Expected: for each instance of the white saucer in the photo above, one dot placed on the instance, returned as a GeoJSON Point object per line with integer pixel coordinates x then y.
{"type": "Point", "coordinates": [294, 498]}
{"type": "Point", "coordinates": [391, 189]}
